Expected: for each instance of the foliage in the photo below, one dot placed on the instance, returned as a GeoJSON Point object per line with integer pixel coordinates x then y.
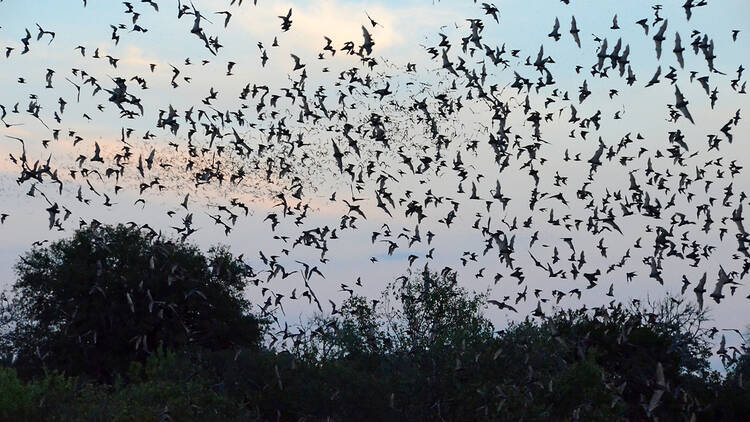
{"type": "Point", "coordinates": [156, 392]}
{"type": "Point", "coordinates": [432, 311]}
{"type": "Point", "coordinates": [15, 397]}
{"type": "Point", "coordinates": [423, 351]}
{"type": "Point", "coordinates": [111, 295]}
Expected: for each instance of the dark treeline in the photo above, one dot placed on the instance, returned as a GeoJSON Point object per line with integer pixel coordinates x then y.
{"type": "Point", "coordinates": [119, 324]}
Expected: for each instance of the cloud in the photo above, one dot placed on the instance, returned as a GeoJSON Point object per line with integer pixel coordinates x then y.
{"type": "Point", "coordinates": [342, 22]}
{"type": "Point", "coordinates": [135, 58]}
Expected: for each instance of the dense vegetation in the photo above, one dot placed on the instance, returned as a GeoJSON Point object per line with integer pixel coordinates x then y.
{"type": "Point", "coordinates": [118, 324]}
{"type": "Point", "coordinates": [111, 295]}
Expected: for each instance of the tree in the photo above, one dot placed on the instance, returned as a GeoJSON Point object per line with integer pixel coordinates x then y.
{"type": "Point", "coordinates": [432, 311]}
{"type": "Point", "coordinates": [110, 295]}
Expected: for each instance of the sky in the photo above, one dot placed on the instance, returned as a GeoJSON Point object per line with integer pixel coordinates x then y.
{"type": "Point", "coordinates": [405, 31]}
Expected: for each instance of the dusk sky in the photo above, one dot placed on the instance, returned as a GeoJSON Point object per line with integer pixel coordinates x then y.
{"type": "Point", "coordinates": [407, 34]}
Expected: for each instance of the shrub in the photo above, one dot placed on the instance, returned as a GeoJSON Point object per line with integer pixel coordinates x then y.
{"type": "Point", "coordinates": [16, 398]}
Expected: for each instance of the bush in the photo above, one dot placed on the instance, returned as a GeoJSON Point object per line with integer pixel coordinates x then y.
{"type": "Point", "coordinates": [16, 399]}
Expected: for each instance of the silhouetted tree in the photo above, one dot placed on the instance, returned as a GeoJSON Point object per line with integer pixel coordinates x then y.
{"type": "Point", "coordinates": [431, 311]}
{"type": "Point", "coordinates": [423, 351]}
{"type": "Point", "coordinates": [109, 295]}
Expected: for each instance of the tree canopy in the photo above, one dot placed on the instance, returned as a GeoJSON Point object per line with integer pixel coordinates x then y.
{"type": "Point", "coordinates": [110, 295]}
{"type": "Point", "coordinates": [117, 323]}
